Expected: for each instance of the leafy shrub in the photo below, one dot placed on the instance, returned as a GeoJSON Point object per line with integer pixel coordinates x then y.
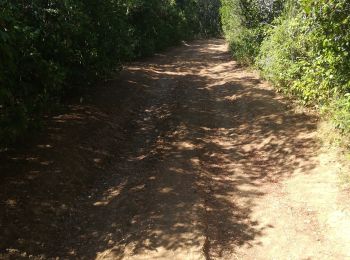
{"type": "Point", "coordinates": [281, 51]}
{"type": "Point", "coordinates": [49, 49]}
{"type": "Point", "coordinates": [325, 69]}
{"type": "Point", "coordinates": [301, 46]}
{"type": "Point", "coordinates": [307, 54]}
{"type": "Point", "coordinates": [340, 113]}
{"type": "Point", "coordinates": [244, 23]}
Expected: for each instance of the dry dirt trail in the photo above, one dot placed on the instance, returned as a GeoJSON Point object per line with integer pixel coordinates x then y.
{"type": "Point", "coordinates": [186, 156]}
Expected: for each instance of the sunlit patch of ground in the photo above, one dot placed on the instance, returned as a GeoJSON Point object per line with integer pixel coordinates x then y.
{"type": "Point", "coordinates": [186, 156]}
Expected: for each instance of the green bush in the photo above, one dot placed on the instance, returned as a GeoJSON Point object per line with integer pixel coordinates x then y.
{"type": "Point", "coordinates": [340, 112]}
{"type": "Point", "coordinates": [301, 46]}
{"type": "Point", "coordinates": [51, 49]}
{"type": "Point", "coordinates": [306, 53]}
{"type": "Point", "coordinates": [281, 51]}
{"type": "Point", "coordinates": [244, 23]}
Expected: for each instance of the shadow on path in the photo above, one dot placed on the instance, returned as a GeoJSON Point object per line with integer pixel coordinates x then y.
{"type": "Point", "coordinates": [169, 167]}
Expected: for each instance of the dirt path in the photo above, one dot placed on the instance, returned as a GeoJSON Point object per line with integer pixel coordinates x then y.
{"type": "Point", "coordinates": [186, 156]}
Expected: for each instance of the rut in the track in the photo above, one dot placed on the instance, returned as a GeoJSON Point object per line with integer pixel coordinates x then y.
{"type": "Point", "coordinates": [186, 156]}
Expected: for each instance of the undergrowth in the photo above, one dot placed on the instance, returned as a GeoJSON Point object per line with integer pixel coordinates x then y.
{"type": "Point", "coordinates": [301, 46]}
{"type": "Point", "coordinates": [53, 49]}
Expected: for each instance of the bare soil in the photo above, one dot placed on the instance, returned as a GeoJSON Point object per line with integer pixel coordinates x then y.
{"type": "Point", "coordinates": [185, 156]}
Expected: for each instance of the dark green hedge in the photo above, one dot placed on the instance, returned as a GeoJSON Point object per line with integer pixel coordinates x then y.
{"type": "Point", "coordinates": [51, 48]}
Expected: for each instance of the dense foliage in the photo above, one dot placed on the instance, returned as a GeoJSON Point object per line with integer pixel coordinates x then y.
{"type": "Point", "coordinates": [54, 47]}
{"type": "Point", "coordinates": [302, 46]}
{"type": "Point", "coordinates": [244, 23]}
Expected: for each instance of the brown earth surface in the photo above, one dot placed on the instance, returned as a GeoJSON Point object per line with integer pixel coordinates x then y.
{"type": "Point", "coordinates": [186, 156]}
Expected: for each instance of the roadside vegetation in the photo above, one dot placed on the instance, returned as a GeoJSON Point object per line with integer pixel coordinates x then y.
{"type": "Point", "coordinates": [301, 46]}
{"type": "Point", "coordinates": [53, 49]}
